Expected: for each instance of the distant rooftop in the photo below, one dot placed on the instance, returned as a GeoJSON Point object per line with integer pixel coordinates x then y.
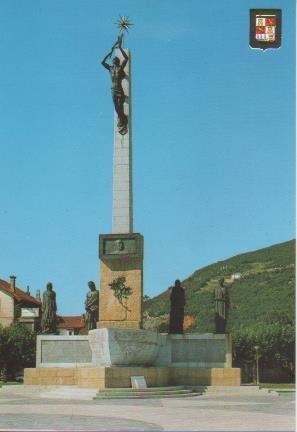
{"type": "Point", "coordinates": [71, 322]}
{"type": "Point", "coordinates": [18, 294]}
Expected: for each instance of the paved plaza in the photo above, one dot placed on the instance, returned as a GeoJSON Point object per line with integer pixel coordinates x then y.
{"type": "Point", "coordinates": [44, 410]}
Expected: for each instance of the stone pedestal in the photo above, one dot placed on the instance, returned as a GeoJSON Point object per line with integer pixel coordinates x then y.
{"type": "Point", "coordinates": [108, 358]}
{"type": "Point", "coordinates": [121, 255]}
{"type": "Point", "coordinates": [121, 347]}
{"type": "Point", "coordinates": [129, 347]}
{"type": "Point", "coordinates": [115, 377]}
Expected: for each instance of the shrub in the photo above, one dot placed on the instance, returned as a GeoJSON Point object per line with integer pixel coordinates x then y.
{"type": "Point", "coordinates": [17, 348]}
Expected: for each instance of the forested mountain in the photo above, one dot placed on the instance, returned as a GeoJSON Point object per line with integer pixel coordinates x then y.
{"type": "Point", "coordinates": [262, 301]}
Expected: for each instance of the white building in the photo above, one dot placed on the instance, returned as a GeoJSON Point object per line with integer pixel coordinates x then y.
{"type": "Point", "coordinates": [17, 305]}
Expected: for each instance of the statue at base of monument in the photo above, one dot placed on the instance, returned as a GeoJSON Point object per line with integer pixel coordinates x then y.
{"type": "Point", "coordinates": [117, 74]}
{"type": "Point", "coordinates": [49, 310]}
{"type": "Point", "coordinates": [221, 300]}
{"type": "Point", "coordinates": [177, 306]}
{"type": "Point", "coordinates": [92, 306]}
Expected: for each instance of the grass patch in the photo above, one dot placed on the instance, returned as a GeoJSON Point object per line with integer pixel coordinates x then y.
{"type": "Point", "coordinates": [279, 386]}
{"type": "Point", "coordinates": [10, 383]}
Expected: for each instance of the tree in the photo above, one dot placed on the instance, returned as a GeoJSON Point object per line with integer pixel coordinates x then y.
{"type": "Point", "coordinates": [276, 343]}
{"type": "Point", "coordinates": [17, 348]}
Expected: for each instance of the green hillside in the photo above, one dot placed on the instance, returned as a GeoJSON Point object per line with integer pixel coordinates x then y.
{"type": "Point", "coordinates": [262, 300]}
{"type": "Point", "coordinates": [266, 288]}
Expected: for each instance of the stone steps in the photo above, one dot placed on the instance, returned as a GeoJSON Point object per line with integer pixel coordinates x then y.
{"type": "Point", "coordinates": [235, 390]}
{"type": "Point", "coordinates": [149, 393]}
{"type": "Point", "coordinates": [147, 390]}
{"type": "Point", "coordinates": [143, 392]}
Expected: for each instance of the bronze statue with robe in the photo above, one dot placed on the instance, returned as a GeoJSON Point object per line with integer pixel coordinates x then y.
{"type": "Point", "coordinates": [92, 306]}
{"type": "Point", "coordinates": [49, 310]}
{"type": "Point", "coordinates": [177, 306]}
{"type": "Point", "coordinates": [221, 300]}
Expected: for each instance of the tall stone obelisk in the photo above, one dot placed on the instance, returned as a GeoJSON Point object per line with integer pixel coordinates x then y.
{"type": "Point", "coordinates": [121, 253]}
{"type": "Point", "coordinates": [122, 204]}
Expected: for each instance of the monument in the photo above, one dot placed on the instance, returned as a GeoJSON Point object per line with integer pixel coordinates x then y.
{"type": "Point", "coordinates": [49, 310]}
{"type": "Point", "coordinates": [221, 299]}
{"type": "Point", "coordinates": [121, 252]}
{"type": "Point", "coordinates": [118, 351]}
{"type": "Point", "coordinates": [177, 306]}
{"type": "Point", "coordinates": [92, 306]}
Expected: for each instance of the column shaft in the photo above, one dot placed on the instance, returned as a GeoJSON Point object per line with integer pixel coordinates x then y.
{"type": "Point", "coordinates": [122, 206]}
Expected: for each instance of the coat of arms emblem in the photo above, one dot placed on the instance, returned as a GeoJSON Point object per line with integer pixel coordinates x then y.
{"type": "Point", "coordinates": [265, 28]}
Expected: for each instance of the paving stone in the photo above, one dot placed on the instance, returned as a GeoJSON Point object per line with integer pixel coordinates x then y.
{"type": "Point", "coordinates": [211, 412]}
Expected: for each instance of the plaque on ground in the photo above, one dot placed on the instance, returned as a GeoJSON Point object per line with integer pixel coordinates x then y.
{"type": "Point", "coordinates": [138, 382]}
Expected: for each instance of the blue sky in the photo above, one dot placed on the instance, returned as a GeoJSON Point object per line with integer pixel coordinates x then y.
{"type": "Point", "coordinates": [213, 137]}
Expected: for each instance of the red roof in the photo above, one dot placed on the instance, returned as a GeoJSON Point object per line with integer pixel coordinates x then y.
{"type": "Point", "coordinates": [18, 294]}
{"type": "Point", "coordinates": [71, 322]}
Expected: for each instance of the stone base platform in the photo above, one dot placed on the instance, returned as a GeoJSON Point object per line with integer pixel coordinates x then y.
{"type": "Point", "coordinates": [115, 377]}
{"type": "Point", "coordinates": [119, 324]}
{"type": "Point", "coordinates": [109, 347]}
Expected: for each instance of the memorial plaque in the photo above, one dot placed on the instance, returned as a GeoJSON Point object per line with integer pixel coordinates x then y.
{"type": "Point", "coordinates": [65, 351]}
{"type": "Point", "coordinates": [112, 246]}
{"type": "Point", "coordinates": [119, 246]}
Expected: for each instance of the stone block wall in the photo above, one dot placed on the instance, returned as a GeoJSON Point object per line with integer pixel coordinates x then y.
{"type": "Point", "coordinates": [90, 378]}
{"type": "Point", "coordinates": [205, 350]}
{"type": "Point", "coordinates": [50, 376]}
{"type": "Point", "coordinates": [120, 377]}
{"type": "Point", "coordinates": [203, 376]}
{"type": "Point", "coordinates": [63, 351]}
{"type": "Point", "coordinates": [112, 314]}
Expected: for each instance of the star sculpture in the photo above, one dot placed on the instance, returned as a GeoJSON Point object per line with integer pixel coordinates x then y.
{"type": "Point", "coordinates": [123, 24]}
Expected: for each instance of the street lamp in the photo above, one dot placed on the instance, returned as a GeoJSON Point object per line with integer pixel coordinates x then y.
{"type": "Point", "coordinates": [257, 362]}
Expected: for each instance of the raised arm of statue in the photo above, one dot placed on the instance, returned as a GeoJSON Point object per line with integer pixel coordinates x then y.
{"type": "Point", "coordinates": [126, 58]}
{"type": "Point", "coordinates": [117, 44]}
{"type": "Point", "coordinates": [104, 62]}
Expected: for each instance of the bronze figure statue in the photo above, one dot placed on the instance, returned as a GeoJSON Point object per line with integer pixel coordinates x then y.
{"type": "Point", "coordinates": [221, 299]}
{"type": "Point", "coordinates": [92, 306]}
{"type": "Point", "coordinates": [117, 74]}
{"type": "Point", "coordinates": [120, 245]}
{"type": "Point", "coordinates": [177, 305]}
{"type": "Point", "coordinates": [49, 310]}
